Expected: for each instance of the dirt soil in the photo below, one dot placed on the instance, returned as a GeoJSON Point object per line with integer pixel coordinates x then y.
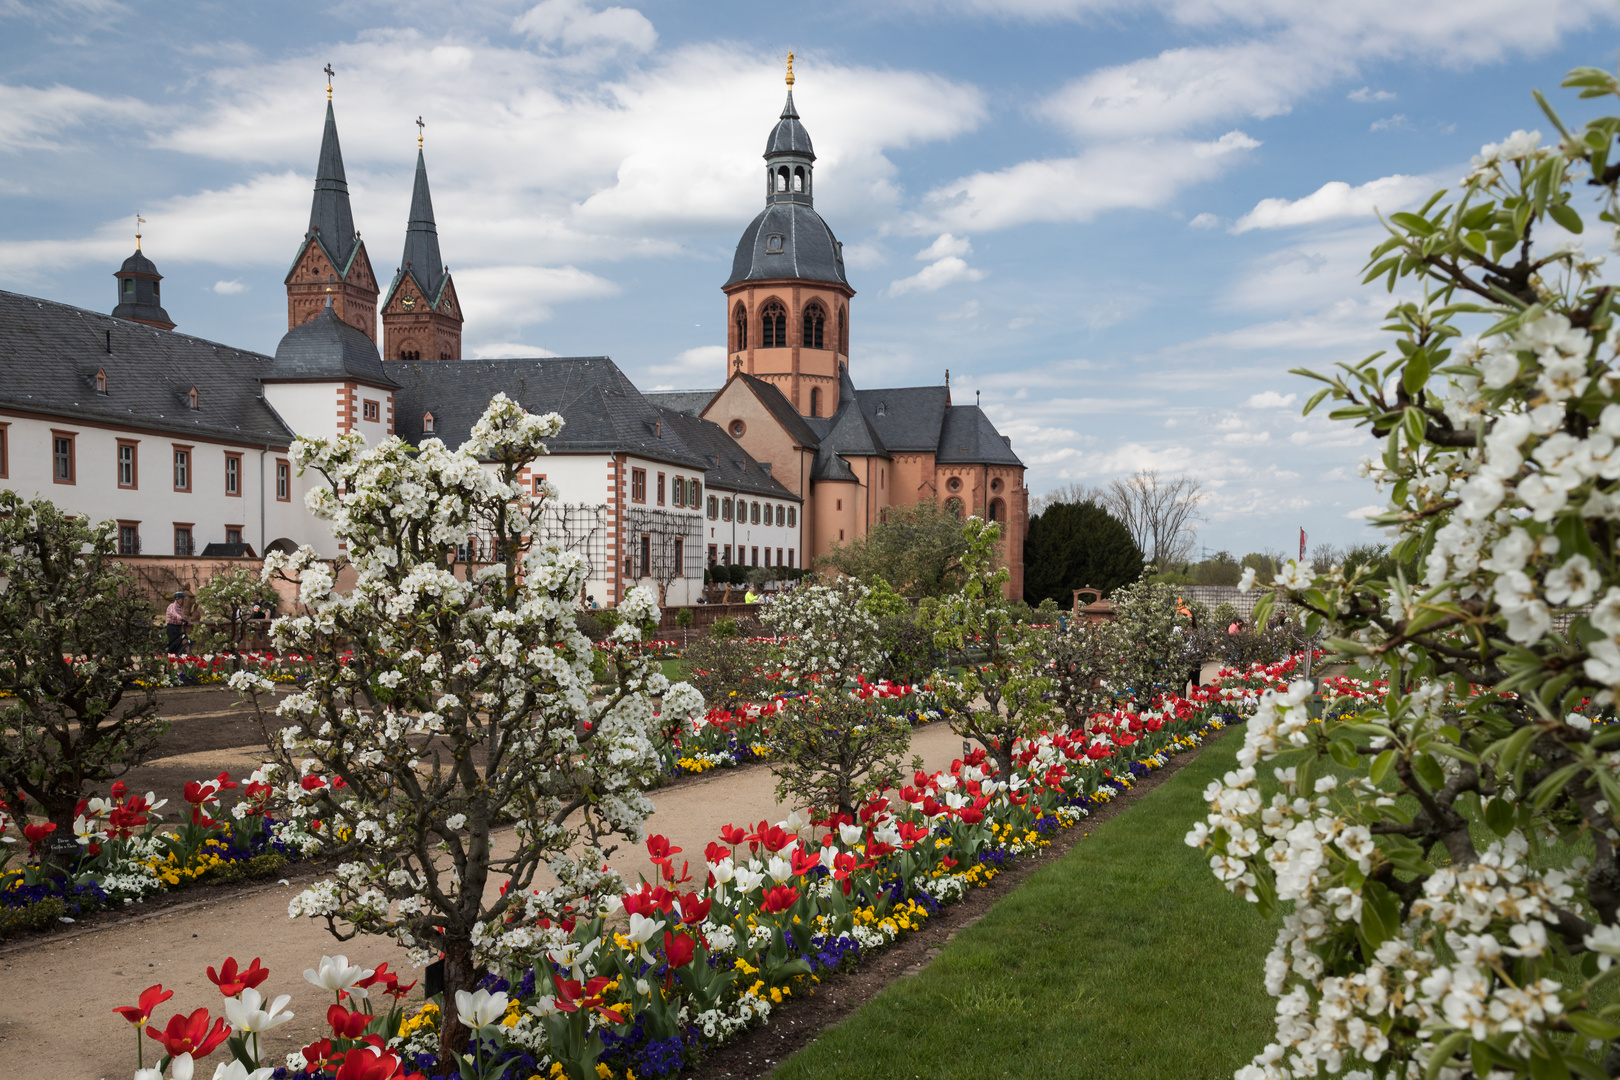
{"type": "Point", "coordinates": [798, 1021]}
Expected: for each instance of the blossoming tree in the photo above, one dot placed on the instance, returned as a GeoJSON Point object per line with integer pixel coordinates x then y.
{"type": "Point", "coordinates": [1449, 849]}
{"type": "Point", "coordinates": [1001, 695]}
{"type": "Point", "coordinates": [444, 702]}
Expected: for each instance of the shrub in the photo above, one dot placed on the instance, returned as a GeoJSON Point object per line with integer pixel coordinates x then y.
{"type": "Point", "coordinates": [825, 630]}
{"type": "Point", "coordinates": [79, 660]}
{"type": "Point", "coordinates": [727, 669]}
{"type": "Point", "coordinates": [906, 650]}
{"type": "Point", "coordinates": [832, 750]}
{"type": "Point", "coordinates": [724, 628]}
{"type": "Point", "coordinates": [683, 618]}
{"type": "Point", "coordinates": [1159, 646]}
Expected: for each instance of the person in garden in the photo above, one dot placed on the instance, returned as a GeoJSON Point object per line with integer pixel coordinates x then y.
{"type": "Point", "coordinates": [174, 622]}
{"type": "Point", "coordinates": [750, 597]}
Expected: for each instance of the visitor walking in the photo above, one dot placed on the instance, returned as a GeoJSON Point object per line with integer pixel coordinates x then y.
{"type": "Point", "coordinates": [174, 623]}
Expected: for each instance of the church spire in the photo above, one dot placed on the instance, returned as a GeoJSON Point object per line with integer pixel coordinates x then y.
{"type": "Point", "coordinates": [421, 259]}
{"type": "Point", "coordinates": [331, 221]}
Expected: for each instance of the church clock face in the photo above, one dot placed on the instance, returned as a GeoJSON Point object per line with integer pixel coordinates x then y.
{"type": "Point", "coordinates": [408, 303]}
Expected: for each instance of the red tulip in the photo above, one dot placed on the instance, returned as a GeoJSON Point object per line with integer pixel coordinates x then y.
{"type": "Point", "coordinates": [346, 1024]}
{"type": "Point", "coordinates": [660, 850]}
{"type": "Point", "coordinates": [732, 835]}
{"type": "Point", "coordinates": [118, 789]}
{"type": "Point", "coordinates": [190, 1034]}
{"type": "Point", "coordinates": [35, 834]}
{"type": "Point", "coordinates": [232, 982]}
{"type": "Point", "coordinates": [777, 900]}
{"type": "Point", "coordinates": [804, 862]}
{"type": "Point", "coordinates": [678, 950]}
{"type": "Point", "coordinates": [320, 1057]}
{"type": "Point", "coordinates": [370, 1063]}
{"type": "Point", "coordinates": [150, 998]}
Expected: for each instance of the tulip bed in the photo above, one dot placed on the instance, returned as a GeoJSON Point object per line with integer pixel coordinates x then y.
{"type": "Point", "coordinates": [123, 854]}
{"type": "Point", "coordinates": [642, 985]}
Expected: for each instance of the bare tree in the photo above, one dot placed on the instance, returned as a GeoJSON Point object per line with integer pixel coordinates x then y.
{"type": "Point", "coordinates": [1161, 514]}
{"type": "Point", "coordinates": [1073, 492]}
{"type": "Point", "coordinates": [673, 546]}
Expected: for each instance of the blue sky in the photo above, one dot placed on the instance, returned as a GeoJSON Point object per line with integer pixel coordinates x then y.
{"type": "Point", "coordinates": [1120, 222]}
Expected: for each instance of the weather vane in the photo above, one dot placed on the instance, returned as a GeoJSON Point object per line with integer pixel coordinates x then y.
{"type": "Point", "coordinates": [329, 74]}
{"type": "Point", "coordinates": [790, 69]}
{"type": "Point", "coordinates": [139, 221]}
{"type": "Point", "coordinates": [419, 126]}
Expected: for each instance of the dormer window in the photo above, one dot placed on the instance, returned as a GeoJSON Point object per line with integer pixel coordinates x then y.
{"type": "Point", "coordinates": [129, 286]}
{"type": "Point", "coordinates": [191, 398]}
{"type": "Point", "coordinates": [773, 244]}
{"type": "Point", "coordinates": [427, 423]}
{"type": "Point", "coordinates": [101, 380]}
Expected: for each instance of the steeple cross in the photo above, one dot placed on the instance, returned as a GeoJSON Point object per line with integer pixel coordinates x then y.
{"type": "Point", "coordinates": [329, 74]}
{"type": "Point", "coordinates": [419, 126]}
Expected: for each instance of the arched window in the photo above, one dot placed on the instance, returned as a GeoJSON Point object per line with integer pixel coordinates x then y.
{"type": "Point", "coordinates": [782, 178]}
{"type": "Point", "coordinates": [773, 325]}
{"type": "Point", "coordinates": [998, 510]}
{"type": "Point", "coordinates": [815, 323]}
{"type": "Point", "coordinates": [739, 323]}
{"type": "Point", "coordinates": [798, 179]}
{"type": "Point", "coordinates": [843, 334]}
{"type": "Point", "coordinates": [953, 507]}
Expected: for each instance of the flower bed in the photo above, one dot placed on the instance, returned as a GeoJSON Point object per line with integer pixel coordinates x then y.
{"type": "Point", "coordinates": [123, 854]}
{"type": "Point", "coordinates": [641, 986]}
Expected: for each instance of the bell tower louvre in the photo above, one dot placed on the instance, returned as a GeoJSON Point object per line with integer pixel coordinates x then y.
{"type": "Point", "coordinates": [787, 299]}
{"type": "Point", "coordinates": [332, 260]}
{"type": "Point", "coordinates": [421, 315]}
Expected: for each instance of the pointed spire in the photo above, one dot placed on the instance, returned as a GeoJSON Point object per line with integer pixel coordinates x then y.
{"type": "Point", "coordinates": [421, 259]}
{"type": "Point", "coordinates": [330, 218]}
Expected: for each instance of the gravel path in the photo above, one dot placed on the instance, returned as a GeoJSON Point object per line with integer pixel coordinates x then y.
{"type": "Point", "coordinates": [56, 992]}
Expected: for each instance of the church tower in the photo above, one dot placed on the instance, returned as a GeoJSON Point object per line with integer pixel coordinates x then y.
{"type": "Point", "coordinates": [421, 316]}
{"type": "Point", "coordinates": [140, 296]}
{"type": "Point", "coordinates": [332, 260]}
{"type": "Point", "coordinates": [787, 300]}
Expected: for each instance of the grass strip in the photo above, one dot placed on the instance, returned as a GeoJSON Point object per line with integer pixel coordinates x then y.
{"type": "Point", "coordinates": [1125, 958]}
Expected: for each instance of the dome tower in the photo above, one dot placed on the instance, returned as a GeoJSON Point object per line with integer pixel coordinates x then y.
{"type": "Point", "coordinates": [140, 296]}
{"type": "Point", "coordinates": [787, 299]}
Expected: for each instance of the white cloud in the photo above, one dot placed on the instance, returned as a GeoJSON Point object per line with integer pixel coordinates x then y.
{"type": "Point", "coordinates": [1112, 177]}
{"type": "Point", "coordinates": [945, 246]}
{"type": "Point", "coordinates": [230, 288]}
{"type": "Point", "coordinates": [501, 350]}
{"type": "Point", "coordinates": [702, 366]}
{"type": "Point", "coordinates": [1337, 199]}
{"type": "Point", "coordinates": [1020, 322]}
{"type": "Point", "coordinates": [1204, 221]}
{"type": "Point", "coordinates": [1398, 122]}
{"type": "Point", "coordinates": [35, 119]}
{"type": "Point", "coordinates": [1270, 399]}
{"type": "Point", "coordinates": [1363, 512]}
{"type": "Point", "coordinates": [947, 271]}
{"type": "Point", "coordinates": [502, 298]}
{"type": "Point", "coordinates": [1368, 94]}
{"type": "Point", "coordinates": [574, 25]}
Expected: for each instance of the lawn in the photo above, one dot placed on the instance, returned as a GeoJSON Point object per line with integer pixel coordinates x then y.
{"type": "Point", "coordinates": [1123, 959]}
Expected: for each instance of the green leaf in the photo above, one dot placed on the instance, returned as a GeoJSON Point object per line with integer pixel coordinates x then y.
{"type": "Point", "coordinates": [1499, 816]}
{"type": "Point", "coordinates": [1592, 1027]}
{"type": "Point", "coordinates": [1381, 766]}
{"type": "Point", "coordinates": [1413, 223]}
{"type": "Point", "coordinates": [1428, 770]}
{"type": "Point", "coordinates": [1548, 1068]}
{"type": "Point", "coordinates": [1546, 791]}
{"type": "Point", "coordinates": [1443, 1053]}
{"type": "Point", "coordinates": [1416, 373]}
{"type": "Point", "coordinates": [1415, 424]}
{"type": "Point", "coordinates": [1566, 216]}
{"type": "Point", "coordinates": [1344, 752]}
{"type": "Point", "coordinates": [1316, 399]}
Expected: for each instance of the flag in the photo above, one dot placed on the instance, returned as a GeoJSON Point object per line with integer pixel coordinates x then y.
{"type": "Point", "coordinates": [1302, 541]}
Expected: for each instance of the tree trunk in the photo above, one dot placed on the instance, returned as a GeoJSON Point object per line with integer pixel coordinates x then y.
{"type": "Point", "coordinates": [459, 974]}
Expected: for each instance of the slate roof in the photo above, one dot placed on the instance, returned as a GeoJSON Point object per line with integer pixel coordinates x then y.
{"type": "Point", "coordinates": [907, 418]}
{"type": "Point", "coordinates": [969, 438]}
{"type": "Point", "coordinates": [692, 402]}
{"type": "Point", "coordinates": [50, 352]}
{"type": "Point", "coordinates": [421, 259]}
{"type": "Point", "coordinates": [847, 433]}
{"type": "Point", "coordinates": [789, 136]}
{"type": "Point", "coordinates": [331, 220]}
{"type": "Point", "coordinates": [603, 410]}
{"type": "Point", "coordinates": [809, 250]}
{"type": "Point", "coordinates": [731, 468]}
{"type": "Point", "coordinates": [771, 396]}
{"type": "Point", "coordinates": [328, 348]}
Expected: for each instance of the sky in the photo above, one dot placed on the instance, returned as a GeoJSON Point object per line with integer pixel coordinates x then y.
{"type": "Point", "coordinates": [1117, 223]}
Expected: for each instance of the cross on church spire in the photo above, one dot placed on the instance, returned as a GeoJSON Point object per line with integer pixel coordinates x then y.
{"type": "Point", "coordinates": [329, 74]}
{"type": "Point", "coordinates": [419, 126]}
{"type": "Point", "coordinates": [790, 69]}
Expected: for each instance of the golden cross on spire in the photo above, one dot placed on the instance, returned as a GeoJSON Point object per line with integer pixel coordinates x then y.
{"type": "Point", "coordinates": [139, 221]}
{"type": "Point", "coordinates": [329, 74]}
{"type": "Point", "coordinates": [790, 69]}
{"type": "Point", "coordinates": [419, 126]}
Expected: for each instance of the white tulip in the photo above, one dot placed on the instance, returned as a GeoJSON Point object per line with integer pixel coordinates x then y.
{"type": "Point", "coordinates": [480, 1009]}
{"type": "Point", "coordinates": [335, 974]}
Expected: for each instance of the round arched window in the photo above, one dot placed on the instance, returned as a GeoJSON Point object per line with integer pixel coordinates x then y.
{"type": "Point", "coordinates": [954, 483]}
{"type": "Point", "coordinates": [737, 428]}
